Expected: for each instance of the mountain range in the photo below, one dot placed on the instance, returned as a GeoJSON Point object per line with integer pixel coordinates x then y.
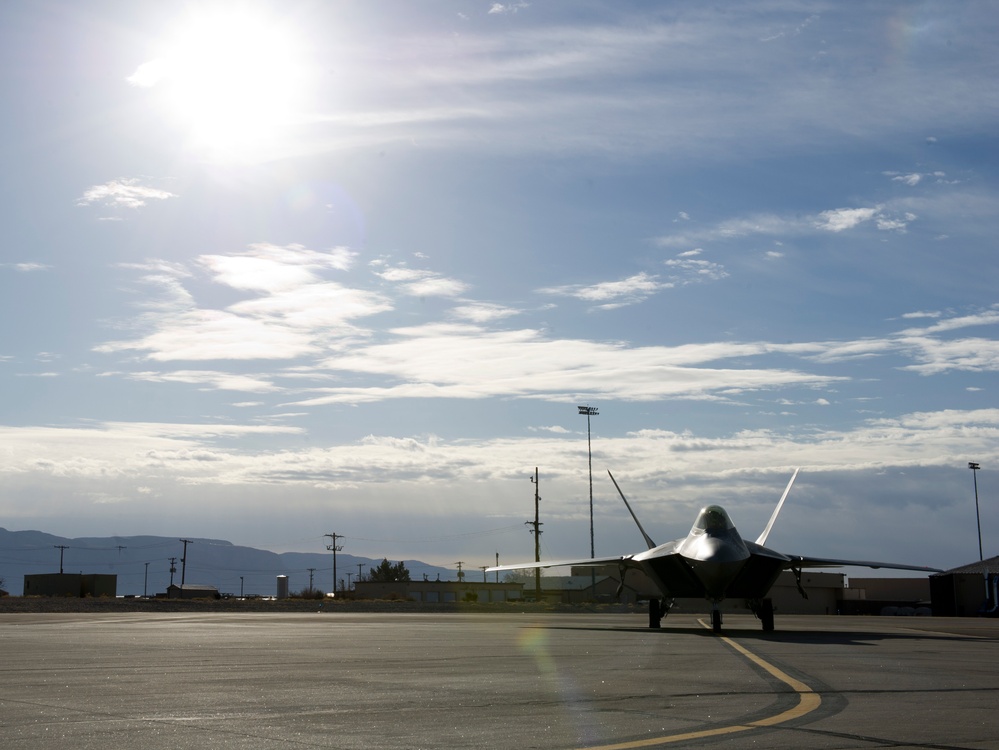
{"type": "Point", "coordinates": [142, 564]}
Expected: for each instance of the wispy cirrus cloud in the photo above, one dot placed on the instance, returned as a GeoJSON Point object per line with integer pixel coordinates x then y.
{"type": "Point", "coordinates": [612, 294]}
{"type": "Point", "coordinates": [27, 267]}
{"type": "Point", "coordinates": [835, 220]}
{"type": "Point", "coordinates": [685, 268]}
{"type": "Point", "coordinates": [294, 311]}
{"type": "Point", "coordinates": [467, 362]}
{"type": "Point", "coordinates": [205, 379]}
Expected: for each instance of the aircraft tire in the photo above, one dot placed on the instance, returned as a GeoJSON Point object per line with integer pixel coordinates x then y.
{"type": "Point", "coordinates": [767, 615]}
{"type": "Point", "coordinates": [716, 620]}
{"type": "Point", "coordinates": [655, 614]}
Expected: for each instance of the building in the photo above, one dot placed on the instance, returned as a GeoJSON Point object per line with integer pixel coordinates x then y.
{"type": "Point", "coordinates": [435, 592]}
{"type": "Point", "coordinates": [71, 584]}
{"type": "Point", "coordinates": [578, 588]}
{"type": "Point", "coordinates": [828, 593]}
{"type": "Point", "coordinates": [967, 591]}
{"type": "Point", "coordinates": [192, 591]}
{"type": "Point", "coordinates": [874, 596]}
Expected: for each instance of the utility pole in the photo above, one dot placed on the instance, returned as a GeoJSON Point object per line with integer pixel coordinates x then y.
{"type": "Point", "coordinates": [360, 574]}
{"type": "Point", "coordinates": [183, 562]}
{"type": "Point", "coordinates": [145, 583]}
{"type": "Point", "coordinates": [537, 536]}
{"type": "Point", "coordinates": [62, 548]}
{"type": "Point", "coordinates": [590, 411]}
{"type": "Point", "coordinates": [484, 568]}
{"type": "Point", "coordinates": [311, 571]}
{"type": "Point", "coordinates": [334, 548]}
{"type": "Point", "coordinates": [241, 587]}
{"type": "Point", "coordinates": [497, 565]}
{"type": "Point", "coordinates": [173, 568]}
{"type": "Point", "coordinates": [461, 576]}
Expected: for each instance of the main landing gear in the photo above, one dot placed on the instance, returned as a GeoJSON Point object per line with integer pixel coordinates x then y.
{"type": "Point", "coordinates": [658, 609]}
{"type": "Point", "coordinates": [764, 609]}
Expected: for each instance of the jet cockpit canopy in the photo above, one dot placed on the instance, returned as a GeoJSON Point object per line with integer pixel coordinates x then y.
{"type": "Point", "coordinates": [712, 519]}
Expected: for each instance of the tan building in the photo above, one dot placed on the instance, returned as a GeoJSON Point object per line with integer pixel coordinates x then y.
{"type": "Point", "coordinates": [967, 591]}
{"type": "Point", "coordinates": [71, 584]}
{"type": "Point", "coordinates": [437, 592]}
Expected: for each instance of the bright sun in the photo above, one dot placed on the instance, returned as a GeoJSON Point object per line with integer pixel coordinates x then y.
{"type": "Point", "coordinates": [232, 79]}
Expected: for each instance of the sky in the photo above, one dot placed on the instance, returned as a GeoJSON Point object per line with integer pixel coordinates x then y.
{"type": "Point", "coordinates": [272, 271]}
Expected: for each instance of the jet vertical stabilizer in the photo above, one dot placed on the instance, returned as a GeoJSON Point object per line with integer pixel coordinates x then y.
{"type": "Point", "coordinates": [648, 539]}
{"type": "Point", "coordinates": [780, 504]}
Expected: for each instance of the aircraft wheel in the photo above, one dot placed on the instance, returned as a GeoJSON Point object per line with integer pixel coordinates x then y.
{"type": "Point", "coordinates": [655, 613]}
{"type": "Point", "coordinates": [716, 620]}
{"type": "Point", "coordinates": [767, 614]}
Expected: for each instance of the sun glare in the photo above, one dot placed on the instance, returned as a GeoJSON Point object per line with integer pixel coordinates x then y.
{"type": "Point", "coordinates": [234, 81]}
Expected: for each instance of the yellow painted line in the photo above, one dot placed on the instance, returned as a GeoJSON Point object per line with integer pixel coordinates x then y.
{"type": "Point", "coordinates": [808, 701]}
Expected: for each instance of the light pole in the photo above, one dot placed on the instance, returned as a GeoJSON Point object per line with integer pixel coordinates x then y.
{"type": "Point", "coordinates": [974, 471]}
{"type": "Point", "coordinates": [590, 411]}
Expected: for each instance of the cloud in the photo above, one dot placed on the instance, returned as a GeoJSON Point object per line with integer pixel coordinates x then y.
{"type": "Point", "coordinates": [150, 73]}
{"type": "Point", "coordinates": [273, 268]}
{"type": "Point", "coordinates": [911, 180]}
{"type": "Point", "coordinates": [208, 379]}
{"type": "Point", "coordinates": [296, 314]}
{"type": "Point", "coordinates": [483, 312]}
{"type": "Point", "coordinates": [686, 270]}
{"type": "Point", "coordinates": [629, 291]}
{"type": "Point", "coordinates": [555, 429]}
{"type": "Point", "coordinates": [28, 267]}
{"type": "Point", "coordinates": [837, 220]}
{"type": "Point", "coordinates": [126, 193]}
{"type": "Point", "coordinates": [845, 218]}
{"type": "Point", "coordinates": [422, 283]}
{"type": "Point", "coordinates": [498, 8]}
{"type": "Point", "coordinates": [470, 362]}
{"type": "Point", "coordinates": [725, 466]}
{"type": "Point", "coordinates": [217, 334]}
{"type": "Point", "coordinates": [928, 353]}
{"type": "Point", "coordinates": [294, 311]}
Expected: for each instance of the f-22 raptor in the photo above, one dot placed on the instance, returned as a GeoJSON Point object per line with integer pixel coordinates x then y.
{"type": "Point", "coordinates": [714, 562]}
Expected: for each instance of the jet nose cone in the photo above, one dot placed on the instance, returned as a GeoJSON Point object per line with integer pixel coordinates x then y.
{"type": "Point", "coordinates": [716, 562]}
{"type": "Point", "coordinates": [715, 549]}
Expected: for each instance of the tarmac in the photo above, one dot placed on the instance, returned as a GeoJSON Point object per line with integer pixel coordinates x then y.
{"type": "Point", "coordinates": [376, 680]}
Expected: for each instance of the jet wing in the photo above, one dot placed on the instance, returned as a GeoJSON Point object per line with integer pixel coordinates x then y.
{"type": "Point", "coordinates": [797, 561]}
{"type": "Point", "coordinates": [589, 561]}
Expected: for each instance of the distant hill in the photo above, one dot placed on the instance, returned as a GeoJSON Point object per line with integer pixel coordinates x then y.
{"type": "Point", "coordinates": [142, 563]}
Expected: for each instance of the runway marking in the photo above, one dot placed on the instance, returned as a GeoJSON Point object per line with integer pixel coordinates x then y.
{"type": "Point", "coordinates": [808, 701]}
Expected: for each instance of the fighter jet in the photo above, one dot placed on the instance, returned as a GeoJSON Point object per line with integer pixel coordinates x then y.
{"type": "Point", "coordinates": [714, 562]}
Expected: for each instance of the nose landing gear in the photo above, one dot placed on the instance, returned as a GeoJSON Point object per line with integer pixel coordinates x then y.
{"type": "Point", "coordinates": [716, 618]}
